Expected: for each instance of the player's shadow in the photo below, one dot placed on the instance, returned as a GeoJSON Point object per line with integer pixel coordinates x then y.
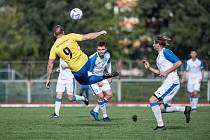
{"type": "Point", "coordinates": [175, 127]}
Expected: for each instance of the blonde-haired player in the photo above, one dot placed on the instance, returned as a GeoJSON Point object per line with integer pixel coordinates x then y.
{"type": "Point", "coordinates": [167, 63]}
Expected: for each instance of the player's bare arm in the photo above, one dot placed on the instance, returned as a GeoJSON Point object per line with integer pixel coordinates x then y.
{"type": "Point", "coordinates": [174, 67]}
{"type": "Point", "coordinates": [49, 72]}
{"type": "Point", "coordinates": [202, 75]}
{"type": "Point", "coordinates": [148, 67]}
{"type": "Point", "coordinates": [183, 76]}
{"type": "Point", "coordinates": [91, 36]}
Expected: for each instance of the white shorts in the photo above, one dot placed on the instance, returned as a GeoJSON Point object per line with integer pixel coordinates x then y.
{"type": "Point", "coordinates": [68, 85]}
{"type": "Point", "coordinates": [167, 91]}
{"type": "Point", "coordinates": [193, 85]}
{"type": "Point", "coordinates": [96, 89]}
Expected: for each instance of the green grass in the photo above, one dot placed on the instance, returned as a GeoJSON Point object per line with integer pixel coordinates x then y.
{"type": "Point", "coordinates": [76, 124]}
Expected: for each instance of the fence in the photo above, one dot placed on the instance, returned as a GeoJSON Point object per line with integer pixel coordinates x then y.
{"type": "Point", "coordinates": [31, 91]}
{"type": "Point", "coordinates": [30, 70]}
{"type": "Point", "coordinates": [24, 82]}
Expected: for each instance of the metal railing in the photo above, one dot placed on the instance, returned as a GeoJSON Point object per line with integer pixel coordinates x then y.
{"type": "Point", "coordinates": [30, 91]}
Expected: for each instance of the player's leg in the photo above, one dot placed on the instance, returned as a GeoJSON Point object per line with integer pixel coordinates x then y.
{"type": "Point", "coordinates": [190, 85]}
{"type": "Point", "coordinates": [58, 102]}
{"type": "Point", "coordinates": [164, 90]}
{"type": "Point", "coordinates": [57, 106]}
{"type": "Point", "coordinates": [81, 91]}
{"type": "Point", "coordinates": [157, 112]}
{"type": "Point", "coordinates": [190, 89]}
{"type": "Point", "coordinates": [195, 95]}
{"type": "Point", "coordinates": [87, 93]}
{"type": "Point", "coordinates": [194, 101]}
{"type": "Point", "coordinates": [172, 91]}
{"type": "Point", "coordinates": [106, 88]}
{"type": "Point", "coordinates": [58, 99]}
{"type": "Point", "coordinates": [100, 100]}
{"type": "Point", "coordinates": [70, 89]}
{"type": "Point", "coordinates": [84, 78]}
{"type": "Point", "coordinates": [167, 102]}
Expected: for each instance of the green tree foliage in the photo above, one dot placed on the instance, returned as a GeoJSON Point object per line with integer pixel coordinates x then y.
{"type": "Point", "coordinates": [186, 22]}
{"type": "Point", "coordinates": [17, 41]}
{"type": "Point", "coordinates": [26, 26]}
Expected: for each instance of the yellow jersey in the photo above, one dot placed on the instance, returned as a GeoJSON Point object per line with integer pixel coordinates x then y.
{"type": "Point", "coordinates": [67, 48]}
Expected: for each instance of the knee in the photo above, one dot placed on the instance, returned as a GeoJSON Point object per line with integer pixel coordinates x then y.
{"type": "Point", "coordinates": [195, 93]}
{"type": "Point", "coordinates": [59, 95]}
{"type": "Point", "coordinates": [100, 96]}
{"type": "Point", "coordinates": [108, 96]}
{"type": "Point", "coordinates": [162, 107]}
{"type": "Point", "coordinates": [151, 100]}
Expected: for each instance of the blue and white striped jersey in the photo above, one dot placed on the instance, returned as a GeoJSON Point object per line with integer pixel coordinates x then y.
{"type": "Point", "coordinates": [100, 64]}
{"type": "Point", "coordinates": [165, 60]}
{"type": "Point", "coordinates": [194, 68]}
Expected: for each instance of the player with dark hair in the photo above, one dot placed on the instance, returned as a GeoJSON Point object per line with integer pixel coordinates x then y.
{"type": "Point", "coordinates": [67, 48]}
{"type": "Point", "coordinates": [194, 73]}
{"type": "Point", "coordinates": [167, 63]}
{"type": "Point", "coordinates": [101, 63]}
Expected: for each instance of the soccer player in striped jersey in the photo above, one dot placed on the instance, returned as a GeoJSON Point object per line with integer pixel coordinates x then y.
{"type": "Point", "coordinates": [67, 48]}
{"type": "Point", "coordinates": [100, 64]}
{"type": "Point", "coordinates": [194, 72]}
{"type": "Point", "coordinates": [65, 82]}
{"type": "Point", "coordinates": [167, 63]}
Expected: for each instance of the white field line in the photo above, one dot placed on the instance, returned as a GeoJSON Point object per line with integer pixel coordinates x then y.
{"type": "Point", "coordinates": [90, 105]}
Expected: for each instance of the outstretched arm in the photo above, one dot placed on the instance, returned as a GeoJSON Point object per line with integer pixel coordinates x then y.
{"type": "Point", "coordinates": [49, 72]}
{"type": "Point", "coordinates": [91, 36]}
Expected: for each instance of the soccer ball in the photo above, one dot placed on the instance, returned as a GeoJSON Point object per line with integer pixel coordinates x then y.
{"type": "Point", "coordinates": [76, 13]}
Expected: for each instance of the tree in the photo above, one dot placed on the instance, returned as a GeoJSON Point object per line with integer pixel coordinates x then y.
{"type": "Point", "coordinates": [17, 41]}
{"type": "Point", "coordinates": [186, 22]}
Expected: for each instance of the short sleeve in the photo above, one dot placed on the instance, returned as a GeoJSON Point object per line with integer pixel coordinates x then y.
{"type": "Point", "coordinates": [52, 53]}
{"type": "Point", "coordinates": [169, 55]}
{"type": "Point", "coordinates": [202, 67]}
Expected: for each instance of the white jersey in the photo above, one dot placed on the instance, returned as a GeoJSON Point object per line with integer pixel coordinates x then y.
{"type": "Point", "coordinates": [165, 60]}
{"type": "Point", "coordinates": [100, 64]}
{"type": "Point", "coordinates": [194, 68]}
{"type": "Point", "coordinates": [170, 86]}
{"type": "Point", "coordinates": [65, 79]}
{"type": "Point", "coordinates": [65, 72]}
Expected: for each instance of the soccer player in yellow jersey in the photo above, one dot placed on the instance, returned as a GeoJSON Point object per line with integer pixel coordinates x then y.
{"type": "Point", "coordinates": [67, 48]}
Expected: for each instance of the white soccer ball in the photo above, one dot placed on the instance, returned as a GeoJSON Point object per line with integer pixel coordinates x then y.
{"type": "Point", "coordinates": [76, 13]}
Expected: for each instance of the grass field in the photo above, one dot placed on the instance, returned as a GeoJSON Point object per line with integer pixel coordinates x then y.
{"type": "Point", "coordinates": [76, 124]}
